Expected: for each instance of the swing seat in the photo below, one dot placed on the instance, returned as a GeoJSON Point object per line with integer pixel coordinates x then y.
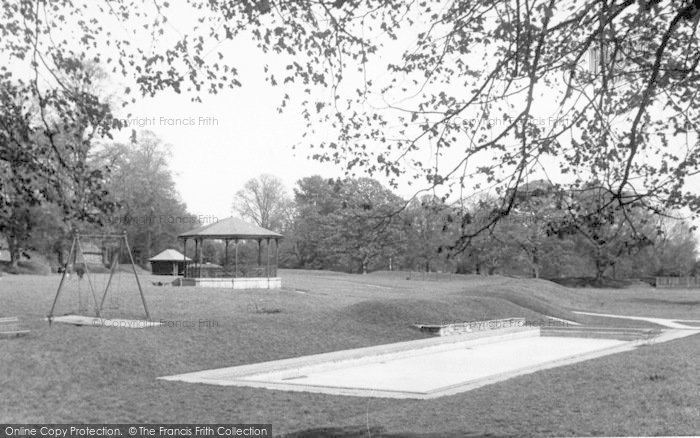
{"type": "Point", "coordinates": [93, 321]}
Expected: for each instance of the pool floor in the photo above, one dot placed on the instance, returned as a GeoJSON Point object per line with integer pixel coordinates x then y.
{"type": "Point", "coordinates": [431, 369]}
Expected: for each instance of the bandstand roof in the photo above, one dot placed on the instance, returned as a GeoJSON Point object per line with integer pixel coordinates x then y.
{"type": "Point", "coordinates": [230, 228]}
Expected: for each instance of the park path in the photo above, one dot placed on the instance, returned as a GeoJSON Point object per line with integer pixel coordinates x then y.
{"type": "Point", "coordinates": [670, 323]}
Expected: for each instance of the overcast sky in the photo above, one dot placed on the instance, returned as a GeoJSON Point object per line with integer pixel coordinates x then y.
{"type": "Point", "coordinates": [229, 139]}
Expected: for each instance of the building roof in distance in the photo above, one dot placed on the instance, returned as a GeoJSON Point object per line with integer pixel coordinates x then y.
{"type": "Point", "coordinates": [231, 228]}
{"type": "Point", "coordinates": [169, 255]}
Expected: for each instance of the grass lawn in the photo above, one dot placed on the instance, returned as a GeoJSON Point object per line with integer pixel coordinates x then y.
{"type": "Point", "coordinates": [81, 374]}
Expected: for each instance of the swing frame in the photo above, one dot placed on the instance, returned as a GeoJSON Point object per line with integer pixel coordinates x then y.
{"type": "Point", "coordinates": [76, 248]}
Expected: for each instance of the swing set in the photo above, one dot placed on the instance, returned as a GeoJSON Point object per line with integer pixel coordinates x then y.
{"type": "Point", "coordinates": [80, 257]}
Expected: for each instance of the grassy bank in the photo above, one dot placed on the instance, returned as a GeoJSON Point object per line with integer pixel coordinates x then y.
{"type": "Point", "coordinates": [80, 374]}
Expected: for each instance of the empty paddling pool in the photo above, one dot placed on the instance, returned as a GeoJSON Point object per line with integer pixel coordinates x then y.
{"type": "Point", "coordinates": [430, 368]}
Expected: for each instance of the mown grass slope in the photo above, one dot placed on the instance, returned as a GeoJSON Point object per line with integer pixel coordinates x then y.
{"type": "Point", "coordinates": [63, 373]}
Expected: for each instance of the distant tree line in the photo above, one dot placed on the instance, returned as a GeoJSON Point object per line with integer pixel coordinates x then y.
{"type": "Point", "coordinates": [357, 225]}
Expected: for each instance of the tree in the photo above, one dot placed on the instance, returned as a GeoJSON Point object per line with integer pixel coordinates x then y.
{"type": "Point", "coordinates": [264, 201]}
{"type": "Point", "coordinates": [528, 227]}
{"type": "Point", "coordinates": [428, 231]}
{"type": "Point", "coordinates": [696, 268]}
{"type": "Point", "coordinates": [45, 154]}
{"type": "Point", "coordinates": [141, 183]}
{"type": "Point", "coordinates": [364, 227]}
{"type": "Point", "coordinates": [50, 235]}
{"type": "Point", "coordinates": [488, 251]}
{"type": "Point", "coordinates": [673, 252]}
{"type": "Point", "coordinates": [676, 249]}
{"type": "Point", "coordinates": [25, 179]}
{"type": "Point", "coordinates": [315, 199]}
{"type": "Point", "coordinates": [345, 224]}
{"type": "Point", "coordinates": [603, 230]}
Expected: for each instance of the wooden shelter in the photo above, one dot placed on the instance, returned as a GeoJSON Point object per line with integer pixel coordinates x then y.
{"type": "Point", "coordinates": [169, 262]}
{"type": "Point", "coordinates": [234, 273]}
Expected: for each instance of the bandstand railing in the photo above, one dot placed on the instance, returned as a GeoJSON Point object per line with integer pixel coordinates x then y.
{"type": "Point", "coordinates": [193, 270]}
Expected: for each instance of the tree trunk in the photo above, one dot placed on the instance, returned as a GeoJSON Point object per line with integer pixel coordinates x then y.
{"type": "Point", "coordinates": [60, 256]}
{"type": "Point", "coordinates": [535, 267]}
{"type": "Point", "coordinates": [15, 253]}
{"type": "Point", "coordinates": [600, 268]}
{"type": "Point", "coordinates": [149, 243]}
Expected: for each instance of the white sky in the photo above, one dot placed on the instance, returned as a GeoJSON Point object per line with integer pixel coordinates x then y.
{"type": "Point", "coordinates": [235, 136]}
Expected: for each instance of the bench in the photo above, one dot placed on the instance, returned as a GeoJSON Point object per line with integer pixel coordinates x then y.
{"type": "Point", "coordinates": [10, 328]}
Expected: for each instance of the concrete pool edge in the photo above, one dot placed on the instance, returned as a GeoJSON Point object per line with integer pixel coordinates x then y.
{"type": "Point", "coordinates": [241, 375]}
{"type": "Point", "coordinates": [352, 354]}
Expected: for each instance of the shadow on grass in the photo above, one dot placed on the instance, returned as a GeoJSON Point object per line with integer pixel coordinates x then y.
{"type": "Point", "coordinates": [667, 302]}
{"type": "Point", "coordinates": [360, 431]}
{"type": "Point", "coordinates": [592, 282]}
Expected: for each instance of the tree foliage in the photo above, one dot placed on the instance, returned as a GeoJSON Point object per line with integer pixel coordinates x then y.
{"type": "Point", "coordinates": [141, 184]}
{"type": "Point", "coordinates": [345, 224]}
{"type": "Point", "coordinates": [606, 233]}
{"type": "Point", "coordinates": [45, 155]}
{"type": "Point", "coordinates": [430, 227]}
